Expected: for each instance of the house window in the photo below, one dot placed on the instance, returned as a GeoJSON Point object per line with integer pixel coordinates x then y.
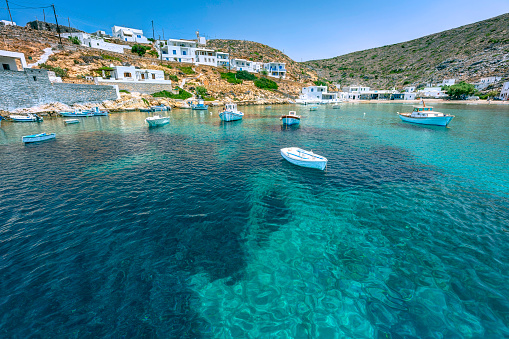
{"type": "Point", "coordinates": [139, 36]}
{"type": "Point", "coordinates": [125, 39]}
{"type": "Point", "coordinates": [127, 75]}
{"type": "Point", "coordinates": [35, 78]}
{"type": "Point", "coordinates": [7, 67]}
{"type": "Point", "coordinates": [153, 76]}
{"type": "Point", "coordinates": [184, 53]}
{"type": "Point", "coordinates": [143, 76]}
{"type": "Point", "coordinates": [174, 52]}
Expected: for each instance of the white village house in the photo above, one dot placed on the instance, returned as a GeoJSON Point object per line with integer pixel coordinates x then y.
{"type": "Point", "coordinates": [128, 34]}
{"type": "Point", "coordinates": [275, 69]}
{"type": "Point", "coordinates": [317, 94]}
{"type": "Point", "coordinates": [504, 94]}
{"type": "Point", "coordinates": [133, 74]}
{"type": "Point", "coordinates": [485, 82]}
{"type": "Point", "coordinates": [9, 61]}
{"type": "Point", "coordinates": [7, 23]}
{"type": "Point", "coordinates": [94, 41]}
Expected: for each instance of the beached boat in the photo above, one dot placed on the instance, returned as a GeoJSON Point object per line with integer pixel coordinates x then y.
{"type": "Point", "coordinates": [30, 117]}
{"type": "Point", "coordinates": [300, 157]}
{"type": "Point", "coordinates": [290, 119]}
{"type": "Point", "coordinates": [231, 113]}
{"type": "Point", "coordinates": [71, 121]}
{"type": "Point", "coordinates": [77, 113]}
{"type": "Point", "coordinates": [314, 108]}
{"type": "Point", "coordinates": [426, 116]}
{"type": "Point", "coordinates": [200, 106]}
{"type": "Point", "coordinates": [157, 120]}
{"type": "Point", "coordinates": [98, 112]}
{"type": "Point", "coordinates": [38, 137]}
{"type": "Point", "coordinates": [160, 108]}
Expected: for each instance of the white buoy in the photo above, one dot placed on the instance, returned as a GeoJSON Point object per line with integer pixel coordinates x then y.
{"type": "Point", "coordinates": [364, 114]}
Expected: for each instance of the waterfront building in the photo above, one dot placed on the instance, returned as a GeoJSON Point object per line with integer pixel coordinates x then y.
{"type": "Point", "coordinates": [94, 41]}
{"type": "Point", "coordinates": [504, 94]}
{"type": "Point", "coordinates": [432, 92]}
{"type": "Point", "coordinates": [485, 82]}
{"type": "Point", "coordinates": [134, 79]}
{"type": "Point", "coordinates": [317, 94]}
{"type": "Point", "coordinates": [131, 73]}
{"type": "Point", "coordinates": [275, 69]}
{"type": "Point", "coordinates": [129, 34]}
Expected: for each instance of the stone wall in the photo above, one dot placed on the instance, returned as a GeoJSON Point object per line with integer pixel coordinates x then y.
{"type": "Point", "coordinates": [48, 26]}
{"type": "Point", "coordinates": [32, 87]}
{"type": "Point", "coordinates": [144, 88]}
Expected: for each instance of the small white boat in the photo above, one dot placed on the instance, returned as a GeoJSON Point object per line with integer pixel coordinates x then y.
{"type": "Point", "coordinates": [157, 120]}
{"type": "Point", "coordinates": [77, 113]}
{"type": "Point", "coordinates": [30, 117]}
{"type": "Point", "coordinates": [314, 108]}
{"type": "Point", "coordinates": [231, 113]}
{"type": "Point", "coordinates": [38, 137]}
{"type": "Point", "coordinates": [201, 105]}
{"type": "Point", "coordinates": [71, 121]}
{"type": "Point", "coordinates": [97, 112]}
{"type": "Point", "coordinates": [268, 107]}
{"type": "Point", "coordinates": [290, 119]}
{"type": "Point", "coordinates": [336, 106]}
{"type": "Point", "coordinates": [426, 116]}
{"type": "Point", "coordinates": [186, 105]}
{"type": "Point", "coordinates": [300, 157]}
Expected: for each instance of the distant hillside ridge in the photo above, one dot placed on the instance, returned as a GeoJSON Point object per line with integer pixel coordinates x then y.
{"type": "Point", "coordinates": [255, 51]}
{"type": "Point", "coordinates": [465, 53]}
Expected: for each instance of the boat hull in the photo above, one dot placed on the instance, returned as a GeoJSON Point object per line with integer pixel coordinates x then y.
{"type": "Point", "coordinates": [290, 121]}
{"type": "Point", "coordinates": [71, 121]}
{"type": "Point", "coordinates": [201, 108]}
{"type": "Point", "coordinates": [25, 118]}
{"type": "Point", "coordinates": [71, 114]}
{"type": "Point", "coordinates": [38, 137]}
{"type": "Point", "coordinates": [321, 165]}
{"type": "Point", "coordinates": [231, 116]}
{"type": "Point", "coordinates": [157, 122]}
{"type": "Point", "coordinates": [435, 121]}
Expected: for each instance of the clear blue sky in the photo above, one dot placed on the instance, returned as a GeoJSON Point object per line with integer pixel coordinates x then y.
{"type": "Point", "coordinates": [302, 29]}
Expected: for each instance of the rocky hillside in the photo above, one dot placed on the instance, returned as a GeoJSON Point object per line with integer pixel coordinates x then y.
{"type": "Point", "coordinates": [254, 51]}
{"type": "Point", "coordinates": [465, 53]}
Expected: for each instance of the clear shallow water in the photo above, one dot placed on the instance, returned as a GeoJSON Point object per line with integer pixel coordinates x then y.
{"type": "Point", "coordinates": [200, 229]}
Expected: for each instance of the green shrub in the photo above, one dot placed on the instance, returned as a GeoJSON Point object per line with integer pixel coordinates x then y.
{"type": "Point", "coordinates": [231, 78]}
{"type": "Point", "coordinates": [201, 91]}
{"type": "Point", "coordinates": [187, 70]}
{"type": "Point", "coordinates": [59, 72]}
{"type": "Point", "coordinates": [265, 83]}
{"type": "Point", "coordinates": [264, 72]}
{"type": "Point", "coordinates": [124, 91]}
{"type": "Point", "coordinates": [320, 83]}
{"type": "Point", "coordinates": [151, 39]}
{"type": "Point", "coordinates": [109, 57]}
{"type": "Point", "coordinates": [183, 94]}
{"type": "Point", "coordinates": [245, 75]}
{"type": "Point", "coordinates": [139, 49]}
{"type": "Point", "coordinates": [172, 77]}
{"type": "Point", "coordinates": [75, 40]}
{"type": "Point", "coordinates": [460, 90]}
{"type": "Point", "coordinates": [154, 53]}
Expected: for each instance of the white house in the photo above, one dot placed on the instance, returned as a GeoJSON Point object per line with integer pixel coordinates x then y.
{"type": "Point", "coordinates": [275, 69]}
{"type": "Point", "coordinates": [223, 59]}
{"type": "Point", "coordinates": [205, 56]}
{"type": "Point", "coordinates": [433, 92]}
{"type": "Point", "coordinates": [94, 41]}
{"type": "Point", "coordinates": [504, 94]}
{"type": "Point", "coordinates": [131, 73]}
{"type": "Point", "coordinates": [354, 92]}
{"type": "Point", "coordinates": [8, 61]}
{"type": "Point", "coordinates": [317, 94]}
{"type": "Point", "coordinates": [177, 50]}
{"type": "Point", "coordinates": [8, 23]}
{"type": "Point", "coordinates": [446, 82]}
{"type": "Point", "coordinates": [485, 82]}
{"type": "Point", "coordinates": [129, 34]}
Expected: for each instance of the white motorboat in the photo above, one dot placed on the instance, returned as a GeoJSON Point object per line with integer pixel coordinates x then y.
{"type": "Point", "coordinates": [77, 113]}
{"type": "Point", "coordinates": [157, 120]}
{"type": "Point", "coordinates": [336, 106]}
{"type": "Point", "coordinates": [314, 108]}
{"type": "Point", "coordinates": [300, 157]}
{"type": "Point", "coordinates": [30, 117]}
{"type": "Point", "coordinates": [231, 113]}
{"type": "Point", "coordinates": [200, 106]}
{"type": "Point", "coordinates": [426, 116]}
{"type": "Point", "coordinates": [38, 137]}
{"type": "Point", "coordinates": [290, 119]}
{"type": "Point", "coordinates": [71, 121]}
{"type": "Point", "coordinates": [160, 108]}
{"type": "Point", "coordinates": [97, 112]}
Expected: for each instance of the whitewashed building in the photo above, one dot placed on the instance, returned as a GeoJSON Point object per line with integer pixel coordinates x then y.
{"type": "Point", "coordinates": [204, 56]}
{"type": "Point", "coordinates": [94, 41]}
{"type": "Point", "coordinates": [485, 82]}
{"type": "Point", "coordinates": [223, 59]}
{"type": "Point", "coordinates": [275, 69]}
{"type": "Point", "coordinates": [432, 92]}
{"type": "Point", "coordinates": [128, 34]}
{"type": "Point", "coordinates": [446, 82]}
{"type": "Point", "coordinates": [8, 61]}
{"type": "Point", "coordinates": [177, 50]}
{"type": "Point", "coordinates": [504, 94]}
{"type": "Point", "coordinates": [317, 94]}
{"type": "Point", "coordinates": [7, 23]}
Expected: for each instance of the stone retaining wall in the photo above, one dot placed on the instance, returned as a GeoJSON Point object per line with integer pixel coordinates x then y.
{"type": "Point", "coordinates": [144, 88]}
{"type": "Point", "coordinates": [32, 87]}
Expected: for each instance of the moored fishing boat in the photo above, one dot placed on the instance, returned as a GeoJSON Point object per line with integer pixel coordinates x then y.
{"type": "Point", "coordinates": [37, 137]}
{"type": "Point", "coordinates": [426, 116]}
{"type": "Point", "coordinates": [290, 119]}
{"type": "Point", "coordinates": [231, 113]}
{"type": "Point", "coordinates": [77, 113]}
{"type": "Point", "coordinates": [200, 106]}
{"type": "Point", "coordinates": [300, 157]}
{"type": "Point", "coordinates": [314, 108]}
{"type": "Point", "coordinates": [157, 120]}
{"type": "Point", "coordinates": [160, 108]}
{"type": "Point", "coordinates": [97, 112]}
{"type": "Point", "coordinates": [71, 121]}
{"type": "Point", "coordinates": [30, 117]}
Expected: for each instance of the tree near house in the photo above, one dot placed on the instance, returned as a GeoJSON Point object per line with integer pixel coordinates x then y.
{"type": "Point", "coordinates": [201, 91]}
{"type": "Point", "coordinates": [139, 49]}
{"type": "Point", "coordinates": [460, 90]}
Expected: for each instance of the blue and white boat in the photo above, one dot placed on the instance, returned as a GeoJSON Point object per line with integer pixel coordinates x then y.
{"type": "Point", "coordinates": [77, 113]}
{"type": "Point", "coordinates": [300, 157]}
{"type": "Point", "coordinates": [157, 120]}
{"type": "Point", "coordinates": [231, 113]}
{"type": "Point", "coordinates": [290, 119]}
{"type": "Point", "coordinates": [38, 137]}
{"type": "Point", "coordinates": [426, 116]}
{"type": "Point", "coordinates": [71, 121]}
{"type": "Point", "coordinates": [200, 106]}
{"type": "Point", "coordinates": [30, 117]}
{"type": "Point", "coordinates": [314, 108]}
{"type": "Point", "coordinates": [97, 112]}
{"type": "Point", "coordinates": [160, 108]}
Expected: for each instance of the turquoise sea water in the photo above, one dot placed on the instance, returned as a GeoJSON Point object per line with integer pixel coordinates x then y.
{"type": "Point", "coordinates": [199, 229]}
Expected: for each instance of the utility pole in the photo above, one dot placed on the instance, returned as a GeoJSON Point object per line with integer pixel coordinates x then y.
{"type": "Point", "coordinates": [44, 15]}
{"type": "Point", "coordinates": [229, 59]}
{"type": "Point", "coordinates": [160, 50]}
{"type": "Point", "coordinates": [153, 35]}
{"type": "Point", "coordinates": [69, 22]}
{"type": "Point", "coordinates": [7, 2]}
{"type": "Point", "coordinates": [163, 33]}
{"type": "Point", "coordinates": [58, 27]}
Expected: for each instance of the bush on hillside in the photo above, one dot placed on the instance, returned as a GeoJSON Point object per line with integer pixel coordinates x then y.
{"type": "Point", "coordinates": [245, 75]}
{"type": "Point", "coordinates": [183, 94]}
{"type": "Point", "coordinates": [231, 78]}
{"type": "Point", "coordinates": [154, 53]}
{"type": "Point", "coordinates": [59, 72]}
{"type": "Point", "coordinates": [201, 91]}
{"type": "Point", "coordinates": [320, 83]}
{"type": "Point", "coordinates": [139, 49]}
{"type": "Point", "coordinates": [187, 70]}
{"type": "Point", "coordinates": [265, 83]}
{"type": "Point", "coordinates": [75, 40]}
